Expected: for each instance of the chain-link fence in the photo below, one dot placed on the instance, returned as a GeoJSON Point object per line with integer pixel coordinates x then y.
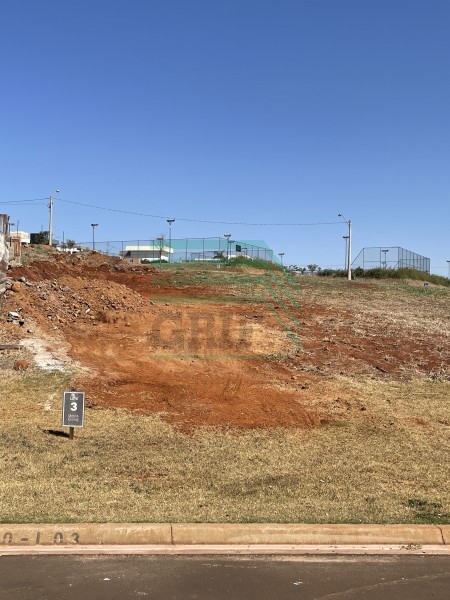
{"type": "Point", "coordinates": [163, 249]}
{"type": "Point", "coordinates": [391, 257]}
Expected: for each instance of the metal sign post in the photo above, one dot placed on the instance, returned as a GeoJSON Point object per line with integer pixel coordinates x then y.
{"type": "Point", "coordinates": [73, 411]}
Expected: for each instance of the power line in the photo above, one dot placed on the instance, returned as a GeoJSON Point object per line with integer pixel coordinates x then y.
{"type": "Point", "coordinates": [139, 214]}
{"type": "Point", "coordinates": [24, 201]}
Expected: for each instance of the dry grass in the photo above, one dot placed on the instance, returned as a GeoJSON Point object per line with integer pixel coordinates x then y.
{"type": "Point", "coordinates": [413, 308]}
{"type": "Point", "coordinates": [381, 456]}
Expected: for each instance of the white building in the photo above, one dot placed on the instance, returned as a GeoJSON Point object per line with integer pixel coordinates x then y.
{"type": "Point", "coordinates": [154, 253]}
{"type": "Point", "coordinates": [23, 236]}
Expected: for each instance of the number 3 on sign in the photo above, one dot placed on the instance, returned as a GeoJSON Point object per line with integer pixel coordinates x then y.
{"type": "Point", "coordinates": [73, 406]}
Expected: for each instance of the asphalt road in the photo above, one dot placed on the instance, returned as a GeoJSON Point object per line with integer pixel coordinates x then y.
{"type": "Point", "coordinates": [224, 577]}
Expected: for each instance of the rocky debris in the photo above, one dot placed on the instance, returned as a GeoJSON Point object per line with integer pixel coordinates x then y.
{"type": "Point", "coordinates": [75, 299]}
{"type": "Point", "coordinates": [16, 318]}
{"type": "Point", "coordinates": [21, 365]}
{"type": "Point", "coordinates": [15, 285]}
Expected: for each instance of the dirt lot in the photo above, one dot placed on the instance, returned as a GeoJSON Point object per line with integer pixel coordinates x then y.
{"type": "Point", "coordinates": [228, 347]}
{"type": "Point", "coordinates": [223, 395]}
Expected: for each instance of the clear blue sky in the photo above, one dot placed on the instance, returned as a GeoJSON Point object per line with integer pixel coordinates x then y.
{"type": "Point", "coordinates": [258, 111]}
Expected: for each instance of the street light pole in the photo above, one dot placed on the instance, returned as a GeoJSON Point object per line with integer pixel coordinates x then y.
{"type": "Point", "coordinates": [281, 254]}
{"type": "Point", "coordinates": [170, 221]}
{"type": "Point", "coordinates": [385, 254]}
{"type": "Point", "coordinates": [349, 254]}
{"type": "Point", "coordinates": [448, 262]}
{"type": "Point", "coordinates": [345, 237]}
{"type": "Point", "coordinates": [93, 225]}
{"type": "Point", "coordinates": [227, 235]}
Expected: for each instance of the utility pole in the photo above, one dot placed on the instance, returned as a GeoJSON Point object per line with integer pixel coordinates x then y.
{"type": "Point", "coordinates": [50, 223]}
{"type": "Point", "coordinates": [93, 225]}
{"type": "Point", "coordinates": [349, 258]}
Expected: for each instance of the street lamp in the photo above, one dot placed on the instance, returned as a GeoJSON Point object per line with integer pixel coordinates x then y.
{"type": "Point", "coordinates": [385, 253]}
{"type": "Point", "coordinates": [448, 262]}
{"type": "Point", "coordinates": [170, 221]}
{"type": "Point", "coordinates": [50, 222]}
{"type": "Point", "coordinates": [93, 225]}
{"type": "Point", "coordinates": [349, 253]}
{"type": "Point", "coordinates": [281, 254]}
{"type": "Point", "coordinates": [227, 235]}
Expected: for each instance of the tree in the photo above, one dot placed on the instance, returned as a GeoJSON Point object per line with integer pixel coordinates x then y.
{"type": "Point", "coordinates": [312, 268]}
{"type": "Point", "coordinates": [160, 240]}
{"type": "Point", "coordinates": [71, 243]}
{"type": "Point", "coordinates": [40, 238]}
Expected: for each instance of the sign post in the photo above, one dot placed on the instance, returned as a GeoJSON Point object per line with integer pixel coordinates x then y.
{"type": "Point", "coordinates": [73, 411]}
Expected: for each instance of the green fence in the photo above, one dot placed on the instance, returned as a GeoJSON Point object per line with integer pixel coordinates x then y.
{"type": "Point", "coordinates": [184, 250]}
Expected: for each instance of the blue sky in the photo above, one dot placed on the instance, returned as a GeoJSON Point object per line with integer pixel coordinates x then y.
{"type": "Point", "coordinates": [250, 111]}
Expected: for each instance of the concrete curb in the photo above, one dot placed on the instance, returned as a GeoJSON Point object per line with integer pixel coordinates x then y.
{"type": "Point", "coordinates": [445, 529]}
{"type": "Point", "coordinates": [221, 534]}
{"type": "Point", "coordinates": [224, 549]}
{"type": "Point", "coordinates": [306, 534]}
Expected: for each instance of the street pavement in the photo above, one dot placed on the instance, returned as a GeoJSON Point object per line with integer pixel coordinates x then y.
{"type": "Point", "coordinates": [225, 577]}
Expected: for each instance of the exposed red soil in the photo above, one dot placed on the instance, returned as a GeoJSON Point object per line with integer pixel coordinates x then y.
{"type": "Point", "coordinates": [152, 348]}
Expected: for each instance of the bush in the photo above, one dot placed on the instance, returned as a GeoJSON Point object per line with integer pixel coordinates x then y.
{"type": "Point", "coordinates": [379, 273]}
{"type": "Point", "coordinates": [255, 263]}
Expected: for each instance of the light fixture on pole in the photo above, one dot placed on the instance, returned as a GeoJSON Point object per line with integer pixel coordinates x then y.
{"type": "Point", "coordinates": [385, 253]}
{"type": "Point", "coordinates": [170, 221]}
{"type": "Point", "coordinates": [448, 262]}
{"type": "Point", "coordinates": [345, 237]}
{"type": "Point", "coordinates": [50, 222]}
{"type": "Point", "coordinates": [349, 253]}
{"type": "Point", "coordinates": [93, 225]}
{"type": "Point", "coordinates": [227, 235]}
{"type": "Point", "coordinates": [281, 254]}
